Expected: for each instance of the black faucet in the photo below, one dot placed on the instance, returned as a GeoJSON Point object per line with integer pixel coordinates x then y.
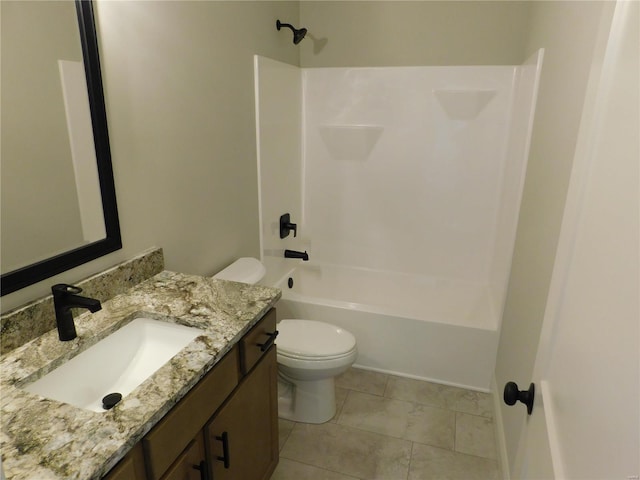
{"type": "Point", "coordinates": [293, 254]}
{"type": "Point", "coordinates": [65, 297]}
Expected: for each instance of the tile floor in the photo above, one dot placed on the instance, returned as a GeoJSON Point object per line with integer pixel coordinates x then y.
{"type": "Point", "coordinates": [393, 428]}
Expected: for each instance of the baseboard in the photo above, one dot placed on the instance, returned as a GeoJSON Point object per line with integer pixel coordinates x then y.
{"type": "Point", "coordinates": [499, 430]}
{"type": "Point", "coordinates": [424, 379]}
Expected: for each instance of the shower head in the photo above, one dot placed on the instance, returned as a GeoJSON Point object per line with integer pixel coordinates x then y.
{"type": "Point", "coordinates": [298, 34]}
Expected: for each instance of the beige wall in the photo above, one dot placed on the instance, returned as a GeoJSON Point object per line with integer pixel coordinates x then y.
{"type": "Point", "coordinates": [398, 33]}
{"type": "Point", "coordinates": [179, 81]}
{"type": "Point", "coordinates": [567, 31]}
{"type": "Point", "coordinates": [179, 96]}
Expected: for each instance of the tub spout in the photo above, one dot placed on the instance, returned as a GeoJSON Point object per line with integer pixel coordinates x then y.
{"type": "Point", "coordinates": [294, 254]}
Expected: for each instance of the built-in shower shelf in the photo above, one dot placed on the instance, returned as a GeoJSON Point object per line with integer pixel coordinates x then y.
{"type": "Point", "coordinates": [463, 104]}
{"type": "Point", "coordinates": [350, 142]}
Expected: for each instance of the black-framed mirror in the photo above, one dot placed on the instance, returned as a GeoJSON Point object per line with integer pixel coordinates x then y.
{"type": "Point", "coordinates": [43, 269]}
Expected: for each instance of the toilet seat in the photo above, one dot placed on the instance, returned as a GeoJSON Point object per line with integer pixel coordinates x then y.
{"type": "Point", "coordinates": [293, 356]}
{"type": "Point", "coordinates": [311, 340]}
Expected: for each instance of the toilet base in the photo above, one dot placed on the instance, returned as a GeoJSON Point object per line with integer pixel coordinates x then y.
{"type": "Point", "coordinates": [306, 401]}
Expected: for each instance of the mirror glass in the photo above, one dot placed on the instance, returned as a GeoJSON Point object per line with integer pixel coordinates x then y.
{"type": "Point", "coordinates": [57, 196]}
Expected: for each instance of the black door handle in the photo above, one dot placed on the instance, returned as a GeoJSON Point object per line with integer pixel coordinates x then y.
{"type": "Point", "coordinates": [512, 394]}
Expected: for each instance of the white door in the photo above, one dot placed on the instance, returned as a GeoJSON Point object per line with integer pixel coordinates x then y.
{"type": "Point", "coordinates": [586, 416]}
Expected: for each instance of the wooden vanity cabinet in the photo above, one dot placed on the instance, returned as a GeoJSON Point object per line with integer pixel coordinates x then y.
{"type": "Point", "coordinates": [242, 438]}
{"type": "Point", "coordinates": [131, 467]}
{"type": "Point", "coordinates": [226, 427]}
{"type": "Point", "coordinates": [168, 439]}
{"type": "Point", "coordinates": [191, 463]}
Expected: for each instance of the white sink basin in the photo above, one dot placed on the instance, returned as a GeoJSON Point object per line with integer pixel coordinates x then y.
{"type": "Point", "coordinates": [118, 363]}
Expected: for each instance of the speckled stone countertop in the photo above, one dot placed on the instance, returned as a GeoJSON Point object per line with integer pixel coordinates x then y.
{"type": "Point", "coordinates": [45, 439]}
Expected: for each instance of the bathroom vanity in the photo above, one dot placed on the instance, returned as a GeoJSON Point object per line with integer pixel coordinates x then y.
{"type": "Point", "coordinates": [239, 440]}
{"type": "Point", "coordinates": [210, 412]}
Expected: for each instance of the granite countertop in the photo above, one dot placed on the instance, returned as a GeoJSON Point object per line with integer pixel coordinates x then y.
{"type": "Point", "coordinates": [45, 439]}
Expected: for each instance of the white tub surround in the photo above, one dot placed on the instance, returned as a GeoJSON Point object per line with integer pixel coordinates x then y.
{"type": "Point", "coordinates": [280, 171]}
{"type": "Point", "coordinates": [410, 176]}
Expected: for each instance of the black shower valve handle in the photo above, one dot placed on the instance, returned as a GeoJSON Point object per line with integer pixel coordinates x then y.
{"type": "Point", "coordinates": [286, 226]}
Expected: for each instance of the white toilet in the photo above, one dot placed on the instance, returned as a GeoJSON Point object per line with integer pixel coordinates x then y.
{"type": "Point", "coordinates": [310, 355]}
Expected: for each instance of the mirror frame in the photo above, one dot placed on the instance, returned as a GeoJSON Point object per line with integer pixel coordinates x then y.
{"type": "Point", "coordinates": [36, 272]}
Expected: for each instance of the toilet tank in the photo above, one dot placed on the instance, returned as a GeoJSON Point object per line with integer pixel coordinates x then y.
{"type": "Point", "coordinates": [245, 270]}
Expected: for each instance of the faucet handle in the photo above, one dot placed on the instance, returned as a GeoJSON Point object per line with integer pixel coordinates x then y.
{"type": "Point", "coordinates": [286, 226]}
{"type": "Point", "coordinates": [64, 289]}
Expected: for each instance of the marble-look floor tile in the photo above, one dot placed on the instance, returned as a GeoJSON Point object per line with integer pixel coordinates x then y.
{"type": "Point", "coordinates": [426, 393]}
{"type": "Point", "coordinates": [376, 414]}
{"type": "Point", "coordinates": [397, 418]}
{"type": "Point", "coordinates": [429, 463]}
{"type": "Point", "coordinates": [474, 403]}
{"type": "Point", "coordinates": [349, 451]}
{"type": "Point", "coordinates": [363, 381]}
{"type": "Point", "coordinates": [284, 430]}
{"type": "Point", "coordinates": [475, 436]}
{"type": "Point", "coordinates": [432, 426]}
{"type": "Point", "coordinates": [442, 396]}
{"type": "Point", "coordinates": [292, 470]}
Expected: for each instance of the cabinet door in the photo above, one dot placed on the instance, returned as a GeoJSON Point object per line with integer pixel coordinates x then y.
{"type": "Point", "coordinates": [242, 439]}
{"type": "Point", "coordinates": [131, 467]}
{"type": "Point", "coordinates": [190, 465]}
{"type": "Point", "coordinates": [174, 432]}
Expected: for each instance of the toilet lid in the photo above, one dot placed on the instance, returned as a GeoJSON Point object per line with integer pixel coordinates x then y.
{"type": "Point", "coordinates": [309, 338]}
{"type": "Point", "coordinates": [246, 270]}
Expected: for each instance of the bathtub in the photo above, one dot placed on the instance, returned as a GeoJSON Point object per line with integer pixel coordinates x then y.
{"type": "Point", "coordinates": [440, 330]}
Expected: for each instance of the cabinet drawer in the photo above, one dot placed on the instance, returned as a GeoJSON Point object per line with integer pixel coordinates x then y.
{"type": "Point", "coordinates": [172, 434]}
{"type": "Point", "coordinates": [257, 341]}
